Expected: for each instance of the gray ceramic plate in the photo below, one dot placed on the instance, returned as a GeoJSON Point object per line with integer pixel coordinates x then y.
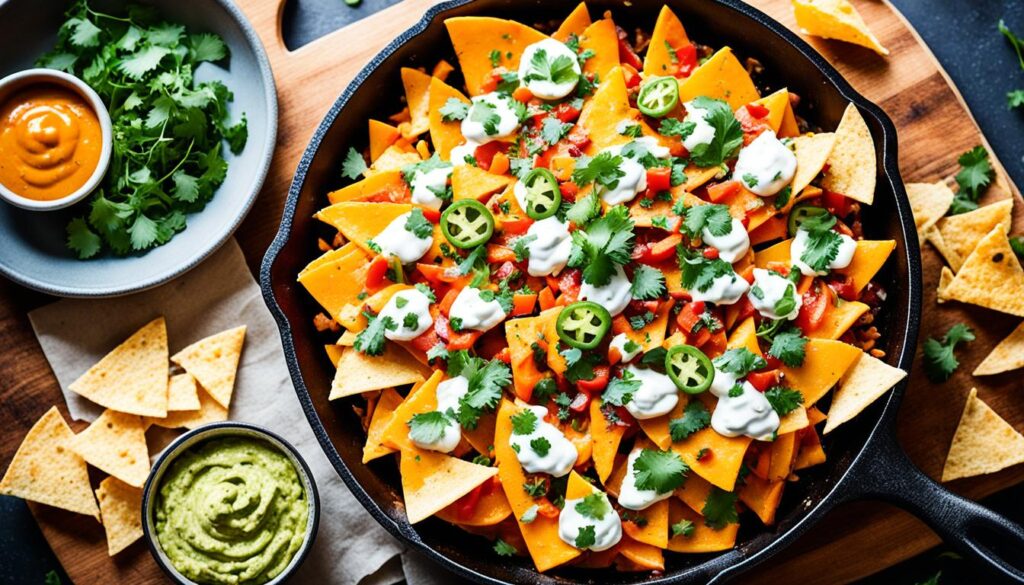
{"type": "Point", "coordinates": [32, 250]}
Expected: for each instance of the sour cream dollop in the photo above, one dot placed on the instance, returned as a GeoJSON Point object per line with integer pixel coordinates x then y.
{"type": "Point", "coordinates": [546, 89]}
{"type": "Point", "coordinates": [607, 528]}
{"type": "Point", "coordinates": [613, 296]}
{"type": "Point", "coordinates": [449, 392]}
{"type": "Point", "coordinates": [632, 497]}
{"type": "Point", "coordinates": [561, 454]}
{"type": "Point", "coordinates": [425, 184]}
{"type": "Point", "coordinates": [724, 290]}
{"type": "Point", "coordinates": [657, 394]}
{"type": "Point", "coordinates": [401, 243]}
{"type": "Point", "coordinates": [460, 153]}
{"type": "Point", "coordinates": [765, 165]}
{"type": "Point", "coordinates": [731, 246]}
{"type": "Point", "coordinates": [703, 133]}
{"type": "Point", "coordinates": [549, 251]}
{"type": "Point", "coordinates": [847, 247]}
{"type": "Point", "coordinates": [748, 414]}
{"type": "Point", "coordinates": [399, 307]}
{"type": "Point", "coordinates": [474, 312]}
{"type": "Point", "coordinates": [496, 104]}
{"type": "Point", "coordinates": [620, 341]}
{"type": "Point", "coordinates": [632, 182]}
{"type": "Point", "coordinates": [770, 288]}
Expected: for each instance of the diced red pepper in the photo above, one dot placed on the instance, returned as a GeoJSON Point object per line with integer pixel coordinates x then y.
{"type": "Point", "coordinates": [631, 76]}
{"type": "Point", "coordinates": [689, 315]}
{"type": "Point", "coordinates": [569, 190]}
{"type": "Point", "coordinates": [661, 250]}
{"type": "Point", "coordinates": [484, 153]}
{"type": "Point", "coordinates": [626, 53]}
{"type": "Point", "coordinates": [496, 254]}
{"type": "Point", "coordinates": [659, 179]}
{"type": "Point", "coordinates": [466, 505]}
{"type": "Point", "coordinates": [711, 253]}
{"type": "Point", "coordinates": [763, 380]}
{"type": "Point", "coordinates": [720, 191]}
{"type": "Point", "coordinates": [523, 304]}
{"type": "Point", "coordinates": [426, 341]}
{"type": "Point", "coordinates": [463, 339]}
{"type": "Point", "coordinates": [757, 110]}
{"type": "Point", "coordinates": [376, 274]}
{"type": "Point", "coordinates": [569, 282]}
{"type": "Point", "coordinates": [687, 60]}
{"type": "Point", "coordinates": [565, 112]}
{"type": "Point", "coordinates": [446, 302]}
{"type": "Point", "coordinates": [580, 402]}
{"type": "Point", "coordinates": [514, 227]}
{"type": "Point", "coordinates": [813, 310]}
{"type": "Point", "coordinates": [432, 215]}
{"type": "Point", "coordinates": [744, 309]}
{"type": "Point", "coordinates": [843, 285]}
{"type": "Point", "coordinates": [598, 383]}
{"type": "Point", "coordinates": [494, 77]}
{"type": "Point", "coordinates": [836, 203]}
{"type": "Point", "coordinates": [546, 298]}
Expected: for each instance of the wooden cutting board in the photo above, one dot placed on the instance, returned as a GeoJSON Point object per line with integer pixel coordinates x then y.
{"type": "Point", "coordinates": [855, 540]}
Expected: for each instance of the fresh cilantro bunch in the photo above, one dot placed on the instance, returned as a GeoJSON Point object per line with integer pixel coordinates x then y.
{"type": "Point", "coordinates": [939, 359]}
{"type": "Point", "coordinates": [728, 133]}
{"type": "Point", "coordinates": [975, 174]}
{"type": "Point", "coordinates": [606, 244]}
{"type": "Point", "coordinates": [168, 129]}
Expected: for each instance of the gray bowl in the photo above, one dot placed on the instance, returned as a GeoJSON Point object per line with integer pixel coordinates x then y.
{"type": "Point", "coordinates": [32, 250]}
{"type": "Point", "coordinates": [215, 431]}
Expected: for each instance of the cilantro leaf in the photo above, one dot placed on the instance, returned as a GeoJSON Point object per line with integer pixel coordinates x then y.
{"type": "Point", "coordinates": [580, 365]}
{"type": "Point", "coordinates": [207, 47]}
{"type": "Point", "coordinates": [605, 169]}
{"type": "Point", "coordinates": [606, 244]}
{"type": "Point", "coordinates": [720, 509]}
{"type": "Point", "coordinates": [439, 351]}
{"type": "Point", "coordinates": [661, 471]}
{"type": "Point", "coordinates": [594, 505]}
{"type": "Point", "coordinates": [740, 361]}
{"type": "Point", "coordinates": [552, 129]}
{"type": "Point", "coordinates": [674, 127]}
{"type": "Point", "coordinates": [728, 134]}
{"type": "Point", "coordinates": [586, 537]}
{"type": "Point", "coordinates": [371, 340]}
{"type": "Point", "coordinates": [683, 528]}
{"type": "Point", "coordinates": [648, 283]}
{"type": "Point", "coordinates": [521, 247]}
{"type": "Point", "coordinates": [428, 427]}
{"type": "Point", "coordinates": [485, 387]}
{"type": "Point", "coordinates": [784, 400]}
{"type": "Point", "coordinates": [84, 33]}
{"type": "Point", "coordinates": [698, 272]}
{"type": "Point", "coordinates": [789, 347]}
{"type": "Point", "coordinates": [485, 114]}
{"type": "Point", "coordinates": [504, 549]}
{"type": "Point", "coordinates": [453, 109]}
{"type": "Point", "coordinates": [975, 174]}
{"type": "Point", "coordinates": [82, 240]}
{"type": "Point", "coordinates": [1015, 98]}
{"type": "Point", "coordinates": [1015, 41]}
{"type": "Point", "coordinates": [559, 70]}
{"type": "Point", "coordinates": [822, 241]}
{"type": "Point", "coordinates": [540, 446]}
{"type": "Point", "coordinates": [524, 422]}
{"type": "Point", "coordinates": [354, 165]}
{"type": "Point", "coordinates": [619, 391]}
{"type": "Point", "coordinates": [536, 488]}
{"type": "Point", "coordinates": [142, 62]}
{"type": "Point", "coordinates": [939, 359]}
{"type": "Point", "coordinates": [418, 225]}
{"type": "Point", "coordinates": [715, 218]}
{"type": "Point", "coordinates": [583, 210]}
{"type": "Point", "coordinates": [695, 417]}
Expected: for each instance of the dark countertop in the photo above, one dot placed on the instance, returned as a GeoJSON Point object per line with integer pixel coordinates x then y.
{"type": "Point", "coordinates": [962, 35]}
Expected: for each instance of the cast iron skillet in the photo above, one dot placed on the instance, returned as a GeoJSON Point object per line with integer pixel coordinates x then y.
{"type": "Point", "coordinates": [864, 458]}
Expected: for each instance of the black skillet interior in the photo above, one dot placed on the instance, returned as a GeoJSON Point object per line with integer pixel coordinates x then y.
{"type": "Point", "coordinates": [375, 93]}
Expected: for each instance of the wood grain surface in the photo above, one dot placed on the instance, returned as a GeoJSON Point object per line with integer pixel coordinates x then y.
{"type": "Point", "coordinates": [853, 541]}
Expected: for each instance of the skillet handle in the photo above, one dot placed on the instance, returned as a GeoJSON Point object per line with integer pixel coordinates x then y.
{"type": "Point", "coordinates": [888, 474]}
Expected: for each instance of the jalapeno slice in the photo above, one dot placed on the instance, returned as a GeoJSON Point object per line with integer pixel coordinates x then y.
{"type": "Point", "coordinates": [467, 224]}
{"type": "Point", "coordinates": [801, 213]}
{"type": "Point", "coordinates": [542, 193]}
{"type": "Point", "coordinates": [583, 324]}
{"type": "Point", "coordinates": [658, 96]}
{"type": "Point", "coordinates": [689, 368]}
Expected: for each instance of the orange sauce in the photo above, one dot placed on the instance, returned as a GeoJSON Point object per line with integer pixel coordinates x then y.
{"type": "Point", "coordinates": [50, 142]}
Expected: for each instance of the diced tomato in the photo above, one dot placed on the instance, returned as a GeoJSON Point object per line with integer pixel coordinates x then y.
{"type": "Point", "coordinates": [565, 112]}
{"type": "Point", "coordinates": [484, 153]}
{"type": "Point", "coordinates": [772, 361]}
{"type": "Point", "coordinates": [626, 53]}
{"type": "Point", "coordinates": [757, 110]}
{"type": "Point", "coordinates": [426, 341]}
{"type": "Point", "coordinates": [546, 509]}
{"type": "Point", "coordinates": [689, 315]}
{"type": "Point", "coordinates": [752, 124]}
{"type": "Point", "coordinates": [494, 77]}
{"type": "Point", "coordinates": [711, 253]}
{"type": "Point", "coordinates": [659, 179]}
{"type": "Point", "coordinates": [763, 380]}
{"type": "Point", "coordinates": [447, 301]}
{"type": "Point", "coordinates": [523, 304]}
{"type": "Point", "coordinates": [546, 298]}
{"type": "Point", "coordinates": [723, 190]}
{"type": "Point", "coordinates": [569, 282]}
{"type": "Point", "coordinates": [836, 203]}
{"type": "Point", "coordinates": [514, 227]}
{"type": "Point", "coordinates": [521, 94]}
{"type": "Point", "coordinates": [580, 402]}
{"type": "Point", "coordinates": [705, 455]}
{"type": "Point", "coordinates": [813, 310]}
{"type": "Point", "coordinates": [505, 270]}
{"type": "Point", "coordinates": [844, 287]}
{"type": "Point", "coordinates": [496, 254]}
{"type": "Point", "coordinates": [598, 383]}
{"type": "Point", "coordinates": [661, 250]}
{"type": "Point", "coordinates": [687, 60]}
{"type": "Point", "coordinates": [579, 138]}
{"type": "Point", "coordinates": [466, 505]}
{"type": "Point", "coordinates": [569, 190]}
{"type": "Point", "coordinates": [376, 274]}
{"type": "Point", "coordinates": [630, 76]}
{"type": "Point", "coordinates": [744, 309]}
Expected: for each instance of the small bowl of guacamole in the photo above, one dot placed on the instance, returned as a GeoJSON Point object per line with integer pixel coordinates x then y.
{"type": "Point", "coordinates": [230, 503]}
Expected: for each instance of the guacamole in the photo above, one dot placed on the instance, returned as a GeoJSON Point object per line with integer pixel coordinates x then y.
{"type": "Point", "coordinates": [231, 510]}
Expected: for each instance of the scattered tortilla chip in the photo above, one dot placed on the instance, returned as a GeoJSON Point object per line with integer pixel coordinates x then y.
{"type": "Point", "coordinates": [182, 393]}
{"type": "Point", "coordinates": [417, 95]}
{"type": "Point", "coordinates": [574, 24]}
{"type": "Point", "coordinates": [1008, 355]}
{"type": "Point", "coordinates": [946, 276]}
{"type": "Point", "coordinates": [794, 420]}
{"type": "Point", "coordinates": [121, 507]}
{"type": "Point", "coordinates": [386, 405]}
{"type": "Point", "coordinates": [358, 372]}
{"type": "Point", "coordinates": [432, 481]}
{"type": "Point", "coordinates": [133, 377]}
{"type": "Point", "coordinates": [835, 19]}
{"type": "Point", "coordinates": [209, 411]}
{"type": "Point", "coordinates": [862, 384]}
{"type": "Point", "coordinates": [116, 443]}
{"type": "Point", "coordinates": [811, 153]}
{"type": "Point", "coordinates": [984, 442]}
{"type": "Point", "coordinates": [991, 277]}
{"type": "Point", "coordinates": [851, 166]}
{"type": "Point", "coordinates": [934, 236]}
{"type": "Point", "coordinates": [961, 233]}
{"type": "Point", "coordinates": [929, 202]}
{"type": "Point", "coordinates": [47, 470]}
{"type": "Point", "coordinates": [213, 362]}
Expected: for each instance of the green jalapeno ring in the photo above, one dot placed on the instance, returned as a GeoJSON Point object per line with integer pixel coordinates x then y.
{"type": "Point", "coordinates": [800, 213]}
{"type": "Point", "coordinates": [658, 96]}
{"type": "Point", "coordinates": [690, 370]}
{"type": "Point", "coordinates": [583, 324]}
{"type": "Point", "coordinates": [543, 197]}
{"type": "Point", "coordinates": [467, 224]}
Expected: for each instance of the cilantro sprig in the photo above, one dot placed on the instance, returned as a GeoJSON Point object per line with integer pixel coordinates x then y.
{"type": "Point", "coordinates": [975, 174]}
{"type": "Point", "coordinates": [715, 218]}
{"type": "Point", "coordinates": [740, 361]}
{"type": "Point", "coordinates": [784, 400]}
{"type": "Point", "coordinates": [661, 471]}
{"type": "Point", "coordinates": [939, 360]}
{"type": "Point", "coordinates": [695, 417]}
{"type": "Point", "coordinates": [559, 70]}
{"type": "Point", "coordinates": [728, 134]}
{"type": "Point", "coordinates": [606, 244]}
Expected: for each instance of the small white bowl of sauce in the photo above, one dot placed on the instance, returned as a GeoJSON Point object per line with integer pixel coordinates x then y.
{"type": "Point", "coordinates": [55, 139]}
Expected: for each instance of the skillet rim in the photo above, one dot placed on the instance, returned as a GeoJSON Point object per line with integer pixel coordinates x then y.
{"type": "Point", "coordinates": [729, 563]}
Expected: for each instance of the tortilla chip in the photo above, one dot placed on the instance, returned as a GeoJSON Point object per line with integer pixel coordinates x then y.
{"type": "Point", "coordinates": [182, 393]}
{"type": "Point", "coordinates": [835, 19]}
{"type": "Point", "coordinates": [946, 276]}
{"type": "Point", "coordinates": [605, 110]}
{"type": "Point", "coordinates": [934, 236]}
{"type": "Point", "coordinates": [382, 135]}
{"type": "Point", "coordinates": [721, 77]}
{"type": "Point", "coordinates": [337, 281]}
{"type": "Point", "coordinates": [133, 377]}
{"type": "Point", "coordinates": [360, 221]}
{"type": "Point", "coordinates": [121, 507]}
{"type": "Point", "coordinates": [794, 420]}
{"type": "Point", "coordinates": [574, 24]}
{"type": "Point", "coordinates": [851, 167]}
{"type": "Point", "coordinates": [862, 384]}
{"type": "Point", "coordinates": [213, 362]}
{"type": "Point", "coordinates": [394, 158]}
{"type": "Point", "coordinates": [386, 405]}
{"type": "Point", "coordinates": [991, 277]}
{"type": "Point", "coordinates": [209, 411]}
{"type": "Point", "coordinates": [762, 496]}
{"type": "Point", "coordinates": [444, 135]}
{"type": "Point", "coordinates": [929, 202]}
{"type": "Point", "coordinates": [116, 443]}
{"type": "Point", "coordinates": [826, 361]}
{"type": "Point", "coordinates": [47, 470]}
{"type": "Point", "coordinates": [389, 182]}
{"type": "Point", "coordinates": [668, 35]}
{"type": "Point", "coordinates": [962, 232]}
{"type": "Point", "coordinates": [432, 481]}
{"type": "Point", "coordinates": [358, 372]}
{"type": "Point", "coordinates": [984, 442]}
{"type": "Point", "coordinates": [469, 182]}
{"type": "Point", "coordinates": [476, 37]}
{"type": "Point", "coordinates": [1008, 355]}
{"type": "Point", "coordinates": [811, 153]}
{"type": "Point", "coordinates": [417, 95]}
{"type": "Point", "coordinates": [602, 40]}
